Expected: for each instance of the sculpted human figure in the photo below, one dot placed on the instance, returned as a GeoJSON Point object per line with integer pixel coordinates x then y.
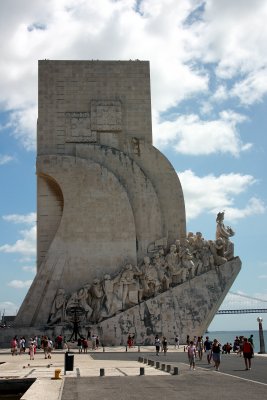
{"type": "Point", "coordinates": [149, 278]}
{"type": "Point", "coordinates": [57, 314]}
{"type": "Point", "coordinates": [160, 264]}
{"type": "Point", "coordinates": [222, 230]}
{"type": "Point", "coordinates": [111, 301]}
{"type": "Point", "coordinates": [84, 299]}
{"type": "Point", "coordinates": [127, 280]}
{"type": "Point", "coordinates": [187, 264]}
{"type": "Point", "coordinates": [173, 265]}
{"type": "Point", "coordinates": [97, 293]}
{"type": "Point", "coordinates": [217, 249]}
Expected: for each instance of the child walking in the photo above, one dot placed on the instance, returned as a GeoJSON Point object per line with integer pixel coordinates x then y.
{"type": "Point", "coordinates": [191, 351]}
{"type": "Point", "coordinates": [31, 350]}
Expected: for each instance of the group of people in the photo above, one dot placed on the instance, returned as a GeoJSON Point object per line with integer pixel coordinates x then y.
{"type": "Point", "coordinates": [83, 343]}
{"type": "Point", "coordinates": [19, 346]}
{"type": "Point", "coordinates": [213, 350]}
{"type": "Point", "coordinates": [161, 345]}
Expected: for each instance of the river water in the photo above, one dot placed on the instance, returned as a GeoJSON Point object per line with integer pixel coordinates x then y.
{"type": "Point", "coordinates": [229, 336]}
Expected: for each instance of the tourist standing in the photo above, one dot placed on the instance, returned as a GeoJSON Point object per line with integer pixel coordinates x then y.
{"type": "Point", "coordinates": [49, 348]}
{"type": "Point", "coordinates": [45, 345]}
{"type": "Point", "coordinates": [177, 342]}
{"type": "Point", "coordinates": [85, 345]}
{"type": "Point", "coordinates": [157, 344]}
{"type": "Point", "coordinates": [79, 344]}
{"type": "Point", "coordinates": [247, 353]}
{"type": "Point", "coordinates": [191, 351]}
{"type": "Point", "coordinates": [164, 345]}
{"type": "Point", "coordinates": [250, 340]}
{"type": "Point", "coordinates": [199, 347]}
{"type": "Point", "coordinates": [207, 348]}
{"type": "Point", "coordinates": [216, 353]}
{"type": "Point", "coordinates": [14, 346]}
{"type": "Point", "coordinates": [31, 350]}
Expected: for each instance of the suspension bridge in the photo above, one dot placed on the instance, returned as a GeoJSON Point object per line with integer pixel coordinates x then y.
{"type": "Point", "coordinates": [237, 303]}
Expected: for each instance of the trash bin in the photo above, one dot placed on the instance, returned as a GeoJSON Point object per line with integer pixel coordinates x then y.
{"type": "Point", "coordinates": [69, 361]}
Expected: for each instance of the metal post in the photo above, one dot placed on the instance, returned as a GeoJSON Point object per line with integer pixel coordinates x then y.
{"type": "Point", "coordinates": [262, 345]}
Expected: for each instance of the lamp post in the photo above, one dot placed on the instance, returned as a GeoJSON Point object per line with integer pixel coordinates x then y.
{"type": "Point", "coordinates": [262, 345]}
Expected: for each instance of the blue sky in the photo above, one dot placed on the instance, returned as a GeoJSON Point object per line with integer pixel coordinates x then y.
{"type": "Point", "coordinates": [208, 62]}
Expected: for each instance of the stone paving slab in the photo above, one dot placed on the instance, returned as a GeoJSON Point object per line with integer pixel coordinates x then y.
{"type": "Point", "coordinates": [117, 366]}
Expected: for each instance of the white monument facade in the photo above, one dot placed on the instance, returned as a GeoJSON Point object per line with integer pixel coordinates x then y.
{"type": "Point", "coordinates": [113, 253]}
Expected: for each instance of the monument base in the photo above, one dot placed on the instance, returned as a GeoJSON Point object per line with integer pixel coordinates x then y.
{"type": "Point", "coordinates": [186, 309]}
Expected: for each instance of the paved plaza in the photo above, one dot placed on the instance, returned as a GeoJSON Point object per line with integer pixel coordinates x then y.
{"type": "Point", "coordinates": [122, 378]}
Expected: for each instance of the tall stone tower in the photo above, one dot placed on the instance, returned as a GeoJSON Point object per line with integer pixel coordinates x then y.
{"type": "Point", "coordinates": [104, 193]}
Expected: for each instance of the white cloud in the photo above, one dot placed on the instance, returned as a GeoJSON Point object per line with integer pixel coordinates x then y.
{"type": "Point", "coordinates": [86, 30]}
{"type": "Point", "coordinates": [18, 284]}
{"type": "Point", "coordinates": [8, 308]}
{"type": "Point", "coordinates": [25, 246]}
{"type": "Point", "coordinates": [5, 158]}
{"type": "Point", "coordinates": [23, 122]}
{"type": "Point", "coordinates": [251, 89]}
{"type": "Point", "coordinates": [188, 134]}
{"type": "Point", "coordinates": [28, 268]}
{"type": "Point", "coordinates": [262, 276]}
{"type": "Point", "coordinates": [21, 219]}
{"type": "Point", "coordinates": [222, 192]}
{"type": "Point", "coordinates": [231, 35]}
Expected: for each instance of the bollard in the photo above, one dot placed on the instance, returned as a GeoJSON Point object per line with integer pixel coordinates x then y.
{"type": "Point", "coordinates": [175, 371]}
{"type": "Point", "coordinates": [163, 367]}
{"type": "Point", "coordinates": [142, 371]}
{"type": "Point", "coordinates": [152, 363]}
{"type": "Point", "coordinates": [138, 349]}
{"type": "Point", "coordinates": [145, 360]}
{"type": "Point", "coordinates": [102, 372]}
{"type": "Point", "coordinates": [168, 368]}
{"type": "Point", "coordinates": [140, 359]}
{"type": "Point", "coordinates": [103, 349]}
{"type": "Point", "coordinates": [126, 348]}
{"type": "Point", "coordinates": [149, 362]}
{"type": "Point", "coordinates": [57, 373]}
{"type": "Point", "coordinates": [157, 364]}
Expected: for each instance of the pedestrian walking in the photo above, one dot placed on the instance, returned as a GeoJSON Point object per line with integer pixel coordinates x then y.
{"type": "Point", "coordinates": [177, 342]}
{"type": "Point", "coordinates": [14, 346]}
{"type": "Point", "coordinates": [31, 350]}
{"type": "Point", "coordinates": [207, 348]}
{"type": "Point", "coordinates": [247, 353]}
{"type": "Point", "coordinates": [191, 351]}
{"type": "Point", "coordinates": [199, 347]}
{"type": "Point", "coordinates": [157, 344]}
{"type": "Point", "coordinates": [216, 353]}
{"type": "Point", "coordinates": [164, 345]}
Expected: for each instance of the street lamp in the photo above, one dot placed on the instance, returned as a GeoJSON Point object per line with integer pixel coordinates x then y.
{"type": "Point", "coordinates": [262, 345]}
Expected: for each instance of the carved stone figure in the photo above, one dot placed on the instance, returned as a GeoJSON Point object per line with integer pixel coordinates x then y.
{"type": "Point", "coordinates": [112, 303]}
{"type": "Point", "coordinates": [57, 314]}
{"type": "Point", "coordinates": [173, 265]}
{"type": "Point", "coordinates": [149, 278]}
{"type": "Point", "coordinates": [130, 286]}
{"type": "Point", "coordinates": [97, 294]}
{"type": "Point", "coordinates": [223, 231]}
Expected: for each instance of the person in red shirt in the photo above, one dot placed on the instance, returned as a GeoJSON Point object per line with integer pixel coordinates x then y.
{"type": "Point", "coordinates": [247, 353]}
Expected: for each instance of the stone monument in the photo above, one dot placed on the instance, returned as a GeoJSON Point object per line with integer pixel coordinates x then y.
{"type": "Point", "coordinates": [112, 245]}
